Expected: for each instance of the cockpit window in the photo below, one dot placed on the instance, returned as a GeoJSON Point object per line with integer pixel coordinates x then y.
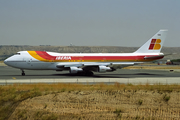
{"type": "Point", "coordinates": [17, 54]}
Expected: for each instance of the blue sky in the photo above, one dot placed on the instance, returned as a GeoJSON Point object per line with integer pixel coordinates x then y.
{"type": "Point", "coordinates": [88, 22]}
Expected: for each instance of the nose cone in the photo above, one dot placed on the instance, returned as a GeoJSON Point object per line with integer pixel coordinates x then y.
{"type": "Point", "coordinates": [6, 61]}
{"type": "Point", "coordinates": [10, 61]}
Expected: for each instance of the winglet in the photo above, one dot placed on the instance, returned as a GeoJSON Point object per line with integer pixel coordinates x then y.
{"type": "Point", "coordinates": [154, 45]}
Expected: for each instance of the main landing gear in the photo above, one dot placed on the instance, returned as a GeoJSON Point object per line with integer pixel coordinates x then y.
{"type": "Point", "coordinates": [23, 73]}
{"type": "Point", "coordinates": [86, 73]}
{"type": "Point", "coordinates": [89, 73]}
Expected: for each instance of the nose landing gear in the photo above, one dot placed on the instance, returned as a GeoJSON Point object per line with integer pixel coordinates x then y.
{"type": "Point", "coordinates": [23, 73]}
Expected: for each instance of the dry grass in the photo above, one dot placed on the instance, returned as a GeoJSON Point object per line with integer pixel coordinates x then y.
{"type": "Point", "coordinates": [153, 67]}
{"type": "Point", "coordinates": [2, 64]}
{"type": "Point", "coordinates": [78, 87]}
{"type": "Point", "coordinates": [101, 101]}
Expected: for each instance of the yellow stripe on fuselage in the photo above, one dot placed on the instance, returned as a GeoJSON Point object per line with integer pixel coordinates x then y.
{"type": "Point", "coordinates": [36, 56]}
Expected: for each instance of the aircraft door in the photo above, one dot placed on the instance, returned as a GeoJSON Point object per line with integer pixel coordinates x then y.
{"type": "Point", "coordinates": [28, 60]}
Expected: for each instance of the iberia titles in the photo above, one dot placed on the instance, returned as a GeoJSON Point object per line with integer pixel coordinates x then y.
{"type": "Point", "coordinates": [63, 58]}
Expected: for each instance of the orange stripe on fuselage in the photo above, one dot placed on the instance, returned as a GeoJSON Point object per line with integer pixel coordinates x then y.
{"type": "Point", "coordinates": [36, 56]}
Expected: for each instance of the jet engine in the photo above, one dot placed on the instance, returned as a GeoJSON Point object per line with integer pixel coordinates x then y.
{"type": "Point", "coordinates": [104, 69]}
{"type": "Point", "coordinates": [75, 70]}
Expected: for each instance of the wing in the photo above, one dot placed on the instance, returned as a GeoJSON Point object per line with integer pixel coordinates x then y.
{"type": "Point", "coordinates": [96, 67]}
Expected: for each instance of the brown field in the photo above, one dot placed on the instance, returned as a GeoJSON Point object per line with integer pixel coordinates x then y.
{"type": "Point", "coordinates": [152, 66]}
{"type": "Point", "coordinates": [77, 101]}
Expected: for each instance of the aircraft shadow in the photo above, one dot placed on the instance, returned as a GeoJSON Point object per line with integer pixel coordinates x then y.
{"type": "Point", "coordinates": [65, 75]}
{"type": "Point", "coordinates": [112, 75]}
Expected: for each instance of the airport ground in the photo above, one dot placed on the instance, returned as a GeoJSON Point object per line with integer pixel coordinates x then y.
{"type": "Point", "coordinates": [141, 74]}
{"type": "Point", "coordinates": [123, 94]}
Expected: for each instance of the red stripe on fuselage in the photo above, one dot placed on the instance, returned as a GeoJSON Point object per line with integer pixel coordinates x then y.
{"type": "Point", "coordinates": [46, 56]}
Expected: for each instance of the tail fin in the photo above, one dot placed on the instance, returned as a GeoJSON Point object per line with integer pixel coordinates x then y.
{"type": "Point", "coordinates": [154, 44]}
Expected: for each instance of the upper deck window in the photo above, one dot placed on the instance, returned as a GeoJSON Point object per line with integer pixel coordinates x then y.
{"type": "Point", "coordinates": [17, 54]}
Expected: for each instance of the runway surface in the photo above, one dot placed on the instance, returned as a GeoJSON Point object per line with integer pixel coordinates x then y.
{"type": "Point", "coordinates": [10, 75]}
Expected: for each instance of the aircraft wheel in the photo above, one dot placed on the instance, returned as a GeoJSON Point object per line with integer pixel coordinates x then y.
{"type": "Point", "coordinates": [23, 73]}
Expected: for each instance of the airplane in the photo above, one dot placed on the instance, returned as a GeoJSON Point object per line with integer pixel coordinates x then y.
{"type": "Point", "coordinates": [87, 63]}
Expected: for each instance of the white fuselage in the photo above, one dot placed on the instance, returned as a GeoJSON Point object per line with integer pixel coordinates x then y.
{"type": "Point", "coordinates": [23, 60]}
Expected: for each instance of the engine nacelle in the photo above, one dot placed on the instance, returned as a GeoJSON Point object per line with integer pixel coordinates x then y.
{"type": "Point", "coordinates": [104, 69]}
{"type": "Point", "coordinates": [75, 70]}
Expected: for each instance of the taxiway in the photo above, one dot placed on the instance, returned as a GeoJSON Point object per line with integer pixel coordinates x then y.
{"type": "Point", "coordinates": [10, 75]}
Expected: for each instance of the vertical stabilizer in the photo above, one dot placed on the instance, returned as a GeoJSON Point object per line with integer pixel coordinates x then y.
{"type": "Point", "coordinates": [153, 45]}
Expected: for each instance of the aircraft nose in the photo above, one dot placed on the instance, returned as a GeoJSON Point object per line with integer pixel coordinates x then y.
{"type": "Point", "coordinates": [6, 61]}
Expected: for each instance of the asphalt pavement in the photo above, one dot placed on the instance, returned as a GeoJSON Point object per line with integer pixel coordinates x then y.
{"type": "Point", "coordinates": [9, 75]}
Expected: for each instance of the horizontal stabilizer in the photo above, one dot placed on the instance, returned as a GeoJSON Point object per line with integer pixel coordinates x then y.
{"type": "Point", "coordinates": [154, 57]}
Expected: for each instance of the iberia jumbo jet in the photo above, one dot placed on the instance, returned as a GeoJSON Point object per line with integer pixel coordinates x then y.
{"type": "Point", "coordinates": [87, 62]}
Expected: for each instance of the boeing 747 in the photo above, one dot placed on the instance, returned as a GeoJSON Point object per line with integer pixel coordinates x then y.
{"type": "Point", "coordinates": [87, 63]}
